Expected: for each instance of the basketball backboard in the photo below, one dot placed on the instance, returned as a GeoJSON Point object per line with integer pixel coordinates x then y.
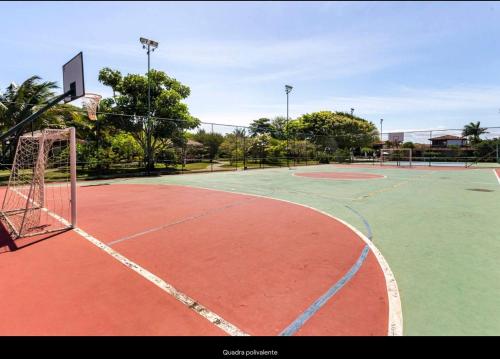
{"type": "Point", "coordinates": [73, 78]}
{"type": "Point", "coordinates": [396, 137]}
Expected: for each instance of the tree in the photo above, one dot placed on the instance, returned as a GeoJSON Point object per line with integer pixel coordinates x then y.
{"type": "Point", "coordinates": [259, 147]}
{"type": "Point", "coordinates": [260, 126]}
{"type": "Point", "coordinates": [408, 144]}
{"type": "Point", "coordinates": [473, 131]}
{"type": "Point", "coordinates": [19, 102]}
{"type": "Point", "coordinates": [487, 148]}
{"type": "Point", "coordinates": [278, 127]}
{"type": "Point", "coordinates": [128, 110]}
{"type": "Point", "coordinates": [337, 129]}
{"type": "Point", "coordinates": [22, 101]}
{"type": "Point", "coordinates": [211, 141]}
{"type": "Point", "coordinates": [110, 78]}
{"type": "Point", "coordinates": [125, 146]}
{"type": "Point", "coordinates": [367, 151]}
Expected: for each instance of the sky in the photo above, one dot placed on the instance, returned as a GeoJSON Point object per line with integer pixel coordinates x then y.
{"type": "Point", "coordinates": [417, 65]}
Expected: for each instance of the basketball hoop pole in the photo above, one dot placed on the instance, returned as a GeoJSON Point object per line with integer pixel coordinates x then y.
{"type": "Point", "coordinates": [21, 125]}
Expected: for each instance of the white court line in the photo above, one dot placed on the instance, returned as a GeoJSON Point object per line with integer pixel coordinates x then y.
{"type": "Point", "coordinates": [496, 174]}
{"type": "Point", "coordinates": [395, 322]}
{"type": "Point", "coordinates": [206, 313]}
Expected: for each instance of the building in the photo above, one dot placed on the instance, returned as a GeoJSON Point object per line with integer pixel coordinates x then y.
{"type": "Point", "coordinates": [448, 140]}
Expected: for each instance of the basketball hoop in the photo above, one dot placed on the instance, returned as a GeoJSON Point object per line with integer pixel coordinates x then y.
{"type": "Point", "coordinates": [91, 103]}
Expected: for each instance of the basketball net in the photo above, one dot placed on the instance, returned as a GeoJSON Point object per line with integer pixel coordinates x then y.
{"type": "Point", "coordinates": [90, 103]}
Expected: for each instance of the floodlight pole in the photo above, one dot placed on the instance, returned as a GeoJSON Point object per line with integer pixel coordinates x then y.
{"type": "Point", "coordinates": [287, 133]}
{"type": "Point", "coordinates": [149, 82]}
{"type": "Point", "coordinates": [382, 149]}
{"type": "Point", "coordinates": [352, 112]}
{"type": "Point", "coordinates": [381, 121]}
{"type": "Point", "coordinates": [148, 125]}
{"type": "Point", "coordinates": [150, 45]}
{"type": "Point", "coordinates": [288, 89]}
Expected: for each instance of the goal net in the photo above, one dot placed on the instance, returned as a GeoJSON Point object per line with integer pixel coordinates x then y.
{"type": "Point", "coordinates": [41, 194]}
{"type": "Point", "coordinates": [396, 156]}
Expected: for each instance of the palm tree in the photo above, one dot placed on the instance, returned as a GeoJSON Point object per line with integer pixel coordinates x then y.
{"type": "Point", "coordinates": [19, 102]}
{"type": "Point", "coordinates": [473, 131]}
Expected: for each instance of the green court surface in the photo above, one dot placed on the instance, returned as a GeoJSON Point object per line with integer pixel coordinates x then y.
{"type": "Point", "coordinates": [438, 230]}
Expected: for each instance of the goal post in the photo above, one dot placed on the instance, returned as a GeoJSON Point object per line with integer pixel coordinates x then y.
{"type": "Point", "coordinates": [396, 156]}
{"type": "Point", "coordinates": [41, 194]}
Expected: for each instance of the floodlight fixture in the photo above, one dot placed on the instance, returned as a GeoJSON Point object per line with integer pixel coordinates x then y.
{"type": "Point", "coordinates": [151, 43]}
{"type": "Point", "coordinates": [288, 89]}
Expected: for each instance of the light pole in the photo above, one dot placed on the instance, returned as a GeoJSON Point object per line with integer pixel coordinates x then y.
{"type": "Point", "coordinates": [382, 148]}
{"type": "Point", "coordinates": [288, 89]}
{"type": "Point", "coordinates": [150, 45]}
{"type": "Point", "coordinates": [352, 112]}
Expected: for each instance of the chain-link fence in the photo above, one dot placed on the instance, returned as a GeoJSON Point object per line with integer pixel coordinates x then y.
{"type": "Point", "coordinates": [448, 146]}
{"type": "Point", "coordinates": [211, 147]}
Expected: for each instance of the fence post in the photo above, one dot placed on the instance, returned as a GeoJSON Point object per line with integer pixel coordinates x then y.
{"type": "Point", "coordinates": [244, 151]}
{"type": "Point", "coordinates": [295, 149]}
{"type": "Point", "coordinates": [236, 162]}
{"type": "Point", "coordinates": [212, 160]}
{"type": "Point", "coordinates": [430, 147]}
{"type": "Point", "coordinates": [184, 147]}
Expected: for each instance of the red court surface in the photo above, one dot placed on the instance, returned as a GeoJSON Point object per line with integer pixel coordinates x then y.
{"type": "Point", "coordinates": [340, 175]}
{"type": "Point", "coordinates": [256, 262]}
{"type": "Point", "coordinates": [497, 173]}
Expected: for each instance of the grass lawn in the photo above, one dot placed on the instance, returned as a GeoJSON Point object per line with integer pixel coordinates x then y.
{"type": "Point", "coordinates": [192, 166]}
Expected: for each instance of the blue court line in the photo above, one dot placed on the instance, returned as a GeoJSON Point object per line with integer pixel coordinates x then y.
{"type": "Point", "coordinates": [367, 225]}
{"type": "Point", "coordinates": [300, 321]}
{"type": "Point", "coordinates": [309, 312]}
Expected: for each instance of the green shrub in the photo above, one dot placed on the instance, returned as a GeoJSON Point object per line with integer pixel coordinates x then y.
{"type": "Point", "coordinates": [323, 158]}
{"type": "Point", "coordinates": [342, 156]}
{"type": "Point", "coordinates": [168, 157]}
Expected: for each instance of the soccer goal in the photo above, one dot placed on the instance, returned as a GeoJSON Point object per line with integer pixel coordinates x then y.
{"type": "Point", "coordinates": [396, 156]}
{"type": "Point", "coordinates": [41, 194]}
